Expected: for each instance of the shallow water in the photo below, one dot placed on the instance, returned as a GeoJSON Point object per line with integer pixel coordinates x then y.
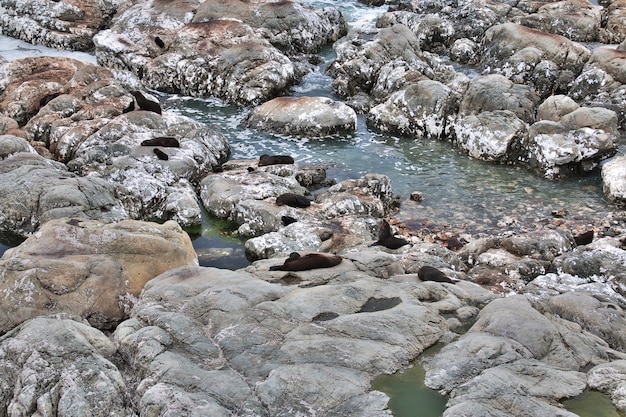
{"type": "Point", "coordinates": [592, 404]}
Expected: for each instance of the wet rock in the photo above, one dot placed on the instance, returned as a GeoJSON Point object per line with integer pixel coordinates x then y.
{"type": "Point", "coordinates": [602, 81]}
{"type": "Point", "coordinates": [491, 135]}
{"type": "Point", "coordinates": [35, 190]}
{"type": "Point", "coordinates": [236, 51]}
{"type": "Point", "coordinates": [610, 378]}
{"type": "Point", "coordinates": [419, 110]}
{"type": "Point", "coordinates": [494, 368]}
{"type": "Point", "coordinates": [61, 25]}
{"type": "Point", "coordinates": [88, 269]}
{"type": "Point", "coordinates": [308, 116]}
{"type": "Point", "coordinates": [614, 179]}
{"type": "Point", "coordinates": [59, 366]}
{"type": "Point", "coordinates": [495, 92]}
{"type": "Point", "coordinates": [577, 143]}
{"type": "Point", "coordinates": [157, 188]}
{"type": "Point", "coordinates": [383, 61]}
{"type": "Point", "coordinates": [523, 54]}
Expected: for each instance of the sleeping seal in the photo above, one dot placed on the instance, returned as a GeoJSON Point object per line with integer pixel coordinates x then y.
{"type": "Point", "coordinates": [296, 262]}
{"type": "Point", "coordinates": [429, 273]}
{"type": "Point", "coordinates": [293, 200]}
{"type": "Point", "coordinates": [266, 159]}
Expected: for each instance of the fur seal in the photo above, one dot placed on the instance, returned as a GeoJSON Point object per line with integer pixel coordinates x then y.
{"type": "Point", "coordinates": [160, 154]}
{"type": "Point", "coordinates": [159, 41]}
{"type": "Point", "coordinates": [584, 238]}
{"type": "Point", "coordinates": [266, 159]}
{"type": "Point", "coordinates": [387, 239]}
{"type": "Point", "coordinates": [164, 141]}
{"type": "Point", "coordinates": [287, 220]}
{"type": "Point", "coordinates": [296, 262]}
{"type": "Point", "coordinates": [145, 103]}
{"type": "Point", "coordinates": [293, 200]}
{"type": "Point", "coordinates": [429, 273]}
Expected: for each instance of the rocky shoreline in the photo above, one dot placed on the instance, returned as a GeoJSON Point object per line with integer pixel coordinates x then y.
{"type": "Point", "coordinates": [105, 310]}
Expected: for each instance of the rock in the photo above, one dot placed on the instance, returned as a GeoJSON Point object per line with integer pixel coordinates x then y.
{"type": "Point", "coordinates": [35, 190]}
{"type": "Point", "coordinates": [494, 136]}
{"type": "Point", "coordinates": [613, 31]}
{"type": "Point", "coordinates": [611, 379]}
{"type": "Point", "coordinates": [614, 179]}
{"type": "Point", "coordinates": [522, 54]}
{"type": "Point", "coordinates": [555, 107]}
{"type": "Point", "coordinates": [59, 366]}
{"type": "Point", "coordinates": [257, 338]}
{"type": "Point", "coordinates": [602, 81]}
{"type": "Point", "coordinates": [88, 269]}
{"type": "Point", "coordinates": [379, 63]}
{"type": "Point", "coordinates": [578, 142]}
{"type": "Point", "coordinates": [61, 25]}
{"type": "Point", "coordinates": [603, 319]}
{"type": "Point", "coordinates": [10, 145]}
{"type": "Point", "coordinates": [157, 188]}
{"type": "Point", "coordinates": [308, 116]}
{"type": "Point", "coordinates": [495, 92]}
{"type": "Point", "coordinates": [494, 369]}
{"type": "Point", "coordinates": [419, 110]}
{"type": "Point", "coordinates": [235, 51]}
{"type": "Point", "coordinates": [577, 20]}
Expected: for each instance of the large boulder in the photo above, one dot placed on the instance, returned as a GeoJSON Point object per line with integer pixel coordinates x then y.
{"type": "Point", "coordinates": [545, 61]}
{"type": "Point", "coordinates": [63, 25]}
{"type": "Point", "coordinates": [236, 51]}
{"type": "Point", "coordinates": [306, 116]}
{"type": "Point", "coordinates": [34, 190]}
{"type": "Point", "coordinates": [88, 269]}
{"type": "Point", "coordinates": [614, 179]}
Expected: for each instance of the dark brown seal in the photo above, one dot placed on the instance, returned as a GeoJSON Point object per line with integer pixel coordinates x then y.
{"type": "Point", "coordinates": [293, 200]}
{"type": "Point", "coordinates": [164, 141]}
{"type": "Point", "coordinates": [266, 159]}
{"type": "Point", "coordinates": [160, 154]}
{"type": "Point", "coordinates": [429, 273]}
{"type": "Point", "coordinates": [387, 239]}
{"type": "Point", "coordinates": [145, 103]}
{"type": "Point", "coordinates": [584, 238]}
{"type": "Point", "coordinates": [296, 262]}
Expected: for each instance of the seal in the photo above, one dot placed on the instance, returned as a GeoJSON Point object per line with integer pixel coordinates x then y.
{"type": "Point", "coordinates": [160, 154]}
{"type": "Point", "coordinates": [266, 159]}
{"type": "Point", "coordinates": [429, 273]}
{"type": "Point", "coordinates": [164, 141]}
{"type": "Point", "coordinates": [159, 42]}
{"type": "Point", "coordinates": [296, 262]}
{"type": "Point", "coordinates": [584, 238]}
{"type": "Point", "coordinates": [145, 103]}
{"type": "Point", "coordinates": [287, 220]}
{"type": "Point", "coordinates": [293, 200]}
{"type": "Point", "coordinates": [387, 239]}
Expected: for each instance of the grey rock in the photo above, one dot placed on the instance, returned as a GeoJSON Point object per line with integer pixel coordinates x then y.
{"type": "Point", "coordinates": [59, 366]}
{"type": "Point", "coordinates": [611, 379]}
{"type": "Point", "coordinates": [10, 145]}
{"type": "Point", "coordinates": [419, 110]}
{"type": "Point", "coordinates": [35, 190]}
{"type": "Point", "coordinates": [614, 178]}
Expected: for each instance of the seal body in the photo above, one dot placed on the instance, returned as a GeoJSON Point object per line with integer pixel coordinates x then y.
{"type": "Point", "coordinates": [387, 239]}
{"type": "Point", "coordinates": [296, 262]}
{"type": "Point", "coordinates": [293, 200]}
{"type": "Point", "coordinates": [145, 103]}
{"type": "Point", "coordinates": [275, 160]}
{"type": "Point", "coordinates": [160, 154]}
{"type": "Point", "coordinates": [429, 273]}
{"type": "Point", "coordinates": [164, 141]}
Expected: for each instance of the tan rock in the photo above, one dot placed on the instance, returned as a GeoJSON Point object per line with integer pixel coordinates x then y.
{"type": "Point", "coordinates": [87, 268]}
